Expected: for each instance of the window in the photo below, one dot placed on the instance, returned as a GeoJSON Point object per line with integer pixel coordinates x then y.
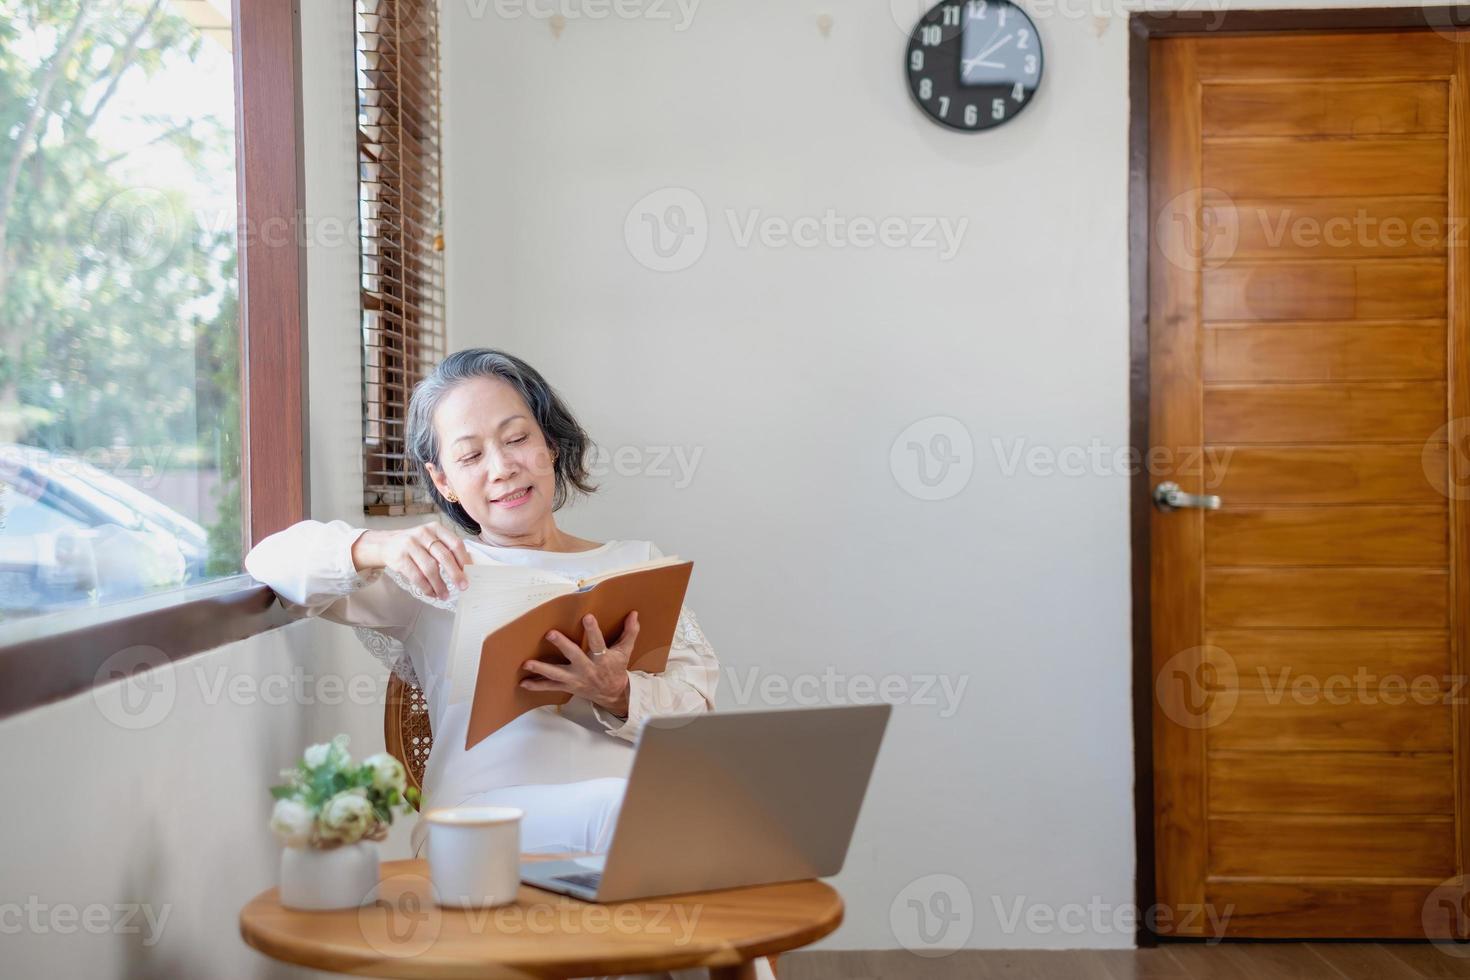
{"type": "Point", "coordinates": [120, 454]}
{"type": "Point", "coordinates": [401, 238]}
{"type": "Point", "coordinates": [137, 506]}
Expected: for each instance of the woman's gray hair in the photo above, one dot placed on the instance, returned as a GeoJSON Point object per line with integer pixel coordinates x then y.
{"type": "Point", "coordinates": [564, 435]}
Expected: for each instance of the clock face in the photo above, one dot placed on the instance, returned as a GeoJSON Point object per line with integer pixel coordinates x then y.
{"type": "Point", "coordinates": [974, 64]}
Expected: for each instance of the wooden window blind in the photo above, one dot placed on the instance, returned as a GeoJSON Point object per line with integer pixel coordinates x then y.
{"type": "Point", "coordinates": [400, 209]}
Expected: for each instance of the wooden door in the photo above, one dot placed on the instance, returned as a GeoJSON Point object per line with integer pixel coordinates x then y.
{"type": "Point", "coordinates": [1308, 299]}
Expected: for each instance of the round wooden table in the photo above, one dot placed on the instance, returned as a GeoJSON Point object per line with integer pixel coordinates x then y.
{"type": "Point", "coordinates": [404, 934]}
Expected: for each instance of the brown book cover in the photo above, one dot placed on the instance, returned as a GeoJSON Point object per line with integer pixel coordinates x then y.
{"type": "Point", "coordinates": [657, 594]}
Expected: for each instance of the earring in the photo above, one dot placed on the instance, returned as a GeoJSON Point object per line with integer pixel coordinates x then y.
{"type": "Point", "coordinates": [451, 498]}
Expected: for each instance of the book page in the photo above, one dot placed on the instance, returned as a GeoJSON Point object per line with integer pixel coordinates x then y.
{"type": "Point", "coordinates": [496, 595]}
{"type": "Point", "coordinates": [591, 580]}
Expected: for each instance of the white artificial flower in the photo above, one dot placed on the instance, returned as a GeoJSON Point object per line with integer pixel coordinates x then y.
{"type": "Point", "coordinates": [291, 821]}
{"type": "Point", "coordinates": [347, 817]}
{"type": "Point", "coordinates": [328, 753]}
{"type": "Point", "coordinates": [388, 772]}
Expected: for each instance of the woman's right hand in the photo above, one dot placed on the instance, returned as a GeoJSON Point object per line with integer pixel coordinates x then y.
{"type": "Point", "coordinates": [416, 553]}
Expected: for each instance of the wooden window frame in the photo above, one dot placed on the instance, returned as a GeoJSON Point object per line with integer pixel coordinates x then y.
{"type": "Point", "coordinates": [55, 656]}
{"type": "Point", "coordinates": [1143, 27]}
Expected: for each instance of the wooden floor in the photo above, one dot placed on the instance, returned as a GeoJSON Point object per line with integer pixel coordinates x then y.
{"type": "Point", "coordinates": [1175, 961]}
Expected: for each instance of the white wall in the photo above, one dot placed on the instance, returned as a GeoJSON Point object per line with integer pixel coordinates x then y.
{"type": "Point", "coordinates": [171, 818]}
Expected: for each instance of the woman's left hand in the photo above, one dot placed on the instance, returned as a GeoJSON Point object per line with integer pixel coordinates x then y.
{"type": "Point", "coordinates": [600, 674]}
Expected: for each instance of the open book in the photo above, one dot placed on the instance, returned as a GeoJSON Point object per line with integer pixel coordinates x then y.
{"type": "Point", "coordinates": [502, 618]}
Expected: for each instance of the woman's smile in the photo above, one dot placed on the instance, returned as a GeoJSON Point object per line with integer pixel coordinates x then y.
{"type": "Point", "coordinates": [514, 498]}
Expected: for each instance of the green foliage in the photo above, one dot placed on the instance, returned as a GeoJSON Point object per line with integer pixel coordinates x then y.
{"type": "Point", "coordinates": [118, 300]}
{"type": "Point", "coordinates": [327, 773]}
{"type": "Point", "coordinates": [219, 401]}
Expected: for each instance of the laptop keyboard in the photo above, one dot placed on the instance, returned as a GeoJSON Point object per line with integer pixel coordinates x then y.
{"type": "Point", "coordinates": [586, 879]}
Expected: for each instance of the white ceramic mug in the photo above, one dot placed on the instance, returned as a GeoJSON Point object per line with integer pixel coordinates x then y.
{"type": "Point", "coordinates": [475, 855]}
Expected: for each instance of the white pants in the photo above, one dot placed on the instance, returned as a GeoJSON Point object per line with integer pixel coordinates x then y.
{"type": "Point", "coordinates": [563, 818]}
{"type": "Point", "coordinates": [560, 818]}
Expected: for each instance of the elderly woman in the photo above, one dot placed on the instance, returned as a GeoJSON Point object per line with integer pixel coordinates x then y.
{"type": "Point", "coordinates": [501, 454]}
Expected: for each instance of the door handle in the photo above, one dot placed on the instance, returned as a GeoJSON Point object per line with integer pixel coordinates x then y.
{"type": "Point", "coordinates": [1168, 497]}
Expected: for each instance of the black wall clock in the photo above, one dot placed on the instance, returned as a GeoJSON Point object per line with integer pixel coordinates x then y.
{"type": "Point", "coordinates": [974, 64]}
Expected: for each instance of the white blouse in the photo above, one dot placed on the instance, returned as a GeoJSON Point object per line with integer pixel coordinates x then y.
{"type": "Point", "coordinates": [309, 565]}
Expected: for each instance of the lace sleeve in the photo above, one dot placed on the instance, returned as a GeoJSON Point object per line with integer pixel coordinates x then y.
{"type": "Point", "coordinates": [687, 634]}
{"type": "Point", "coordinates": [421, 595]}
{"type": "Point", "coordinates": [389, 652]}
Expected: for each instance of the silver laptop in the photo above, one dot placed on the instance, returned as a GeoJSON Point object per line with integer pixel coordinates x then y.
{"type": "Point", "coordinates": [731, 798]}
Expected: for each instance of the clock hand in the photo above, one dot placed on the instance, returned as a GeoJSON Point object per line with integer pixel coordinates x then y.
{"type": "Point", "coordinates": [994, 46]}
{"type": "Point", "coordinates": [969, 63]}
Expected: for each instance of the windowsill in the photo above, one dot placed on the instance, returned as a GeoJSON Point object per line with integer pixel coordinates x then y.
{"type": "Point", "coordinates": [57, 655]}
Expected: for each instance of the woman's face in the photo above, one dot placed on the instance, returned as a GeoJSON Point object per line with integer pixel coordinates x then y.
{"type": "Point", "coordinates": [494, 458]}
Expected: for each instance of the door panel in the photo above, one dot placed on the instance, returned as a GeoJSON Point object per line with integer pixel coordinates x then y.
{"type": "Point", "coordinates": [1302, 109]}
{"type": "Point", "coordinates": [1330, 475]}
{"type": "Point", "coordinates": [1318, 228]}
{"type": "Point", "coordinates": [1308, 307]}
{"type": "Point", "coordinates": [1407, 785]}
{"type": "Point", "coordinates": [1329, 845]}
{"type": "Point", "coordinates": [1366, 411]}
{"type": "Point", "coordinates": [1325, 351]}
{"type": "Point", "coordinates": [1257, 656]}
{"type": "Point", "coordinates": [1284, 908]}
{"type": "Point", "coordinates": [1344, 535]}
{"type": "Point", "coordinates": [1269, 721]}
{"type": "Point", "coordinates": [1328, 289]}
{"type": "Point", "coordinates": [1326, 598]}
{"type": "Point", "coordinates": [1281, 167]}
{"type": "Point", "coordinates": [1340, 60]}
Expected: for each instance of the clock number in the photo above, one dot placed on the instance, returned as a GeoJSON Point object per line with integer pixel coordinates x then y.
{"type": "Point", "coordinates": [997, 108]}
{"type": "Point", "coordinates": [1023, 38]}
{"type": "Point", "coordinates": [976, 9]}
{"type": "Point", "coordinates": [916, 61]}
{"type": "Point", "coordinates": [930, 35]}
{"type": "Point", "coordinates": [972, 115]}
{"type": "Point", "coordinates": [1017, 93]}
{"type": "Point", "coordinates": [926, 89]}
{"type": "Point", "coordinates": [951, 16]}
{"type": "Point", "coordinates": [943, 105]}
{"type": "Point", "coordinates": [1002, 17]}
{"type": "Point", "coordinates": [1030, 64]}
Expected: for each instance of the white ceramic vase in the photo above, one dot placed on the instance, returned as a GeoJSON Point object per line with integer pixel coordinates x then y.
{"type": "Point", "coordinates": [340, 878]}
